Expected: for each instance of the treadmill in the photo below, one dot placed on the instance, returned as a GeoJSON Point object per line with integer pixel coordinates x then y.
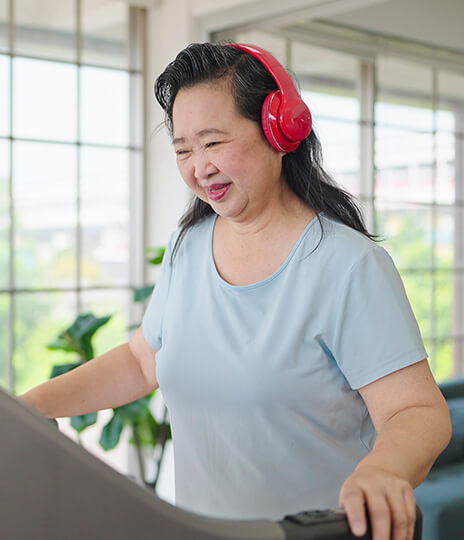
{"type": "Point", "coordinates": [53, 489]}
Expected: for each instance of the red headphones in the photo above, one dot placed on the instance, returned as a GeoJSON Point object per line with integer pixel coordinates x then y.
{"type": "Point", "coordinates": [285, 118]}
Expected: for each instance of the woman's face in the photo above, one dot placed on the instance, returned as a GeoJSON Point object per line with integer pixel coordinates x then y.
{"type": "Point", "coordinates": [222, 156]}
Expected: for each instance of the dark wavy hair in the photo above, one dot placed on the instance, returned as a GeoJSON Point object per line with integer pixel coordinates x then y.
{"type": "Point", "coordinates": [250, 83]}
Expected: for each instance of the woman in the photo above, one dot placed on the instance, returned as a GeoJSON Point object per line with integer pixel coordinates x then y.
{"type": "Point", "coordinates": [286, 349]}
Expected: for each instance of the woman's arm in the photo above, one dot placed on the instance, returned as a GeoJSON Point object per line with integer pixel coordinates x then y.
{"type": "Point", "coordinates": [121, 375]}
{"type": "Point", "coordinates": [413, 425]}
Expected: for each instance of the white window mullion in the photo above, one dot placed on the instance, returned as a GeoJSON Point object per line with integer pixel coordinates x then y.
{"type": "Point", "coordinates": [137, 164]}
{"type": "Point", "coordinates": [458, 286]}
{"type": "Point", "coordinates": [366, 93]}
{"type": "Point", "coordinates": [11, 284]}
{"type": "Point", "coordinates": [78, 160]}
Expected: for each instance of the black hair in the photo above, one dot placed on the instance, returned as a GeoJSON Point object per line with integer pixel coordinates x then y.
{"type": "Point", "coordinates": [250, 83]}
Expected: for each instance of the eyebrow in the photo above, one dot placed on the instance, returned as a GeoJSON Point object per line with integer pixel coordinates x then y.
{"type": "Point", "coordinates": [201, 133]}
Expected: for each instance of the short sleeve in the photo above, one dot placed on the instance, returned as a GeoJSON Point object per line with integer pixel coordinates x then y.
{"type": "Point", "coordinates": [376, 332]}
{"type": "Point", "coordinates": [152, 321]}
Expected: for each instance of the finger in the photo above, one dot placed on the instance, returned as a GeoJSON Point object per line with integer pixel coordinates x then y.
{"type": "Point", "coordinates": [400, 521]}
{"type": "Point", "coordinates": [380, 516]}
{"type": "Point", "coordinates": [354, 505]}
{"type": "Point", "coordinates": [410, 505]}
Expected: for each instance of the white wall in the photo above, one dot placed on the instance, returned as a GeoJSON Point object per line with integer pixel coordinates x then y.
{"type": "Point", "coordinates": [169, 29]}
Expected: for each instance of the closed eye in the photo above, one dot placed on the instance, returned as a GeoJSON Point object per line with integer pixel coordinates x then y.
{"type": "Point", "coordinates": [213, 143]}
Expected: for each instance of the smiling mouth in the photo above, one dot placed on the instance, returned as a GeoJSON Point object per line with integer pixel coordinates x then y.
{"type": "Point", "coordinates": [217, 191]}
{"type": "Point", "coordinates": [216, 187]}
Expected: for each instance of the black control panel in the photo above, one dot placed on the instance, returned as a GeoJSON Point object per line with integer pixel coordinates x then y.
{"type": "Point", "coordinates": [331, 524]}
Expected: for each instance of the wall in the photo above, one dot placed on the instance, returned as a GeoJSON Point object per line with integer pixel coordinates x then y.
{"type": "Point", "coordinates": [169, 29]}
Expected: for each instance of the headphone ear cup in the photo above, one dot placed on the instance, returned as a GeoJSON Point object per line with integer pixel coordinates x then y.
{"type": "Point", "coordinates": [270, 124]}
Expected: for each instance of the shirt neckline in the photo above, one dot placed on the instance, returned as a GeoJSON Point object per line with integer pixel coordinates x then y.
{"type": "Point", "coordinates": [263, 282]}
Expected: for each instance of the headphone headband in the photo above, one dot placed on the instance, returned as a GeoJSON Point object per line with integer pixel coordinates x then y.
{"type": "Point", "coordinates": [275, 68]}
{"type": "Point", "coordinates": [289, 119]}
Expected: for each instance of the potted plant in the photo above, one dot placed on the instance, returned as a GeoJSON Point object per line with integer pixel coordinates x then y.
{"type": "Point", "coordinates": [146, 431]}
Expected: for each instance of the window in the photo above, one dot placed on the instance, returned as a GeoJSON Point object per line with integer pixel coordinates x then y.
{"type": "Point", "coordinates": [392, 133]}
{"type": "Point", "coordinates": [71, 169]}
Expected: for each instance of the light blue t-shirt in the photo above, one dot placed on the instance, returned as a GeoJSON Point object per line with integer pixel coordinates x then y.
{"type": "Point", "coordinates": [260, 380]}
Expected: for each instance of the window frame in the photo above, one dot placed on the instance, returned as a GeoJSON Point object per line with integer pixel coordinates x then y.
{"type": "Point", "coordinates": [137, 171]}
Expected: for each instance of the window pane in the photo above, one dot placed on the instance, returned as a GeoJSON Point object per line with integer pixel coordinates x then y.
{"type": "Point", "coordinates": [404, 165]}
{"type": "Point", "coordinates": [44, 191]}
{"type": "Point", "coordinates": [458, 357]}
{"type": "Point", "coordinates": [457, 327]}
{"type": "Point", "coordinates": [46, 28]}
{"type": "Point", "coordinates": [104, 106]}
{"type": "Point", "coordinates": [443, 360]}
{"type": "Point", "coordinates": [105, 216]}
{"type": "Point", "coordinates": [404, 95]}
{"type": "Point", "coordinates": [447, 147]}
{"type": "Point", "coordinates": [4, 213]}
{"type": "Point", "coordinates": [407, 230]}
{"type": "Point", "coordinates": [108, 302]}
{"type": "Point", "coordinates": [418, 286]}
{"type": "Point", "coordinates": [4, 339]}
{"type": "Point", "coordinates": [443, 304]}
{"type": "Point", "coordinates": [136, 111]}
{"type": "Point", "coordinates": [4, 95]}
{"type": "Point", "coordinates": [340, 150]}
{"type": "Point", "coordinates": [4, 25]}
{"type": "Point", "coordinates": [105, 32]}
{"type": "Point", "coordinates": [329, 82]}
{"type": "Point", "coordinates": [49, 112]}
{"type": "Point", "coordinates": [40, 318]}
{"type": "Point", "coordinates": [450, 117]}
{"type": "Point", "coordinates": [445, 238]}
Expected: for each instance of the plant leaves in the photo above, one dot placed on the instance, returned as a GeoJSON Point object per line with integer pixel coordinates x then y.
{"type": "Point", "coordinates": [142, 293]}
{"type": "Point", "coordinates": [78, 336]}
{"type": "Point", "coordinates": [156, 255]}
{"type": "Point", "coordinates": [147, 431]}
{"type": "Point", "coordinates": [134, 411]}
{"type": "Point", "coordinates": [63, 368]}
{"type": "Point", "coordinates": [111, 433]}
{"type": "Point", "coordinates": [61, 344]}
{"type": "Point", "coordinates": [79, 423]}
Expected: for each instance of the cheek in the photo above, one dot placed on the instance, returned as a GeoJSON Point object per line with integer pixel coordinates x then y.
{"type": "Point", "coordinates": [186, 171]}
{"type": "Point", "coordinates": [236, 164]}
{"type": "Point", "coordinates": [245, 164]}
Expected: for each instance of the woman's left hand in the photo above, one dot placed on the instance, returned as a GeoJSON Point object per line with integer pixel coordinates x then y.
{"type": "Point", "coordinates": [389, 500]}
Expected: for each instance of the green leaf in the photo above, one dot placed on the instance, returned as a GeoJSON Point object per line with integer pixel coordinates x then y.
{"type": "Point", "coordinates": [143, 293]}
{"type": "Point", "coordinates": [63, 368]}
{"type": "Point", "coordinates": [61, 344]}
{"type": "Point", "coordinates": [78, 336]}
{"type": "Point", "coordinates": [147, 431]}
{"type": "Point", "coordinates": [156, 255]}
{"type": "Point", "coordinates": [111, 433]}
{"type": "Point", "coordinates": [79, 423]}
{"type": "Point", "coordinates": [134, 411]}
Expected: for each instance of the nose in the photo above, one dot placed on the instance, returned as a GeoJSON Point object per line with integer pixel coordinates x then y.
{"type": "Point", "coordinates": [203, 167]}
